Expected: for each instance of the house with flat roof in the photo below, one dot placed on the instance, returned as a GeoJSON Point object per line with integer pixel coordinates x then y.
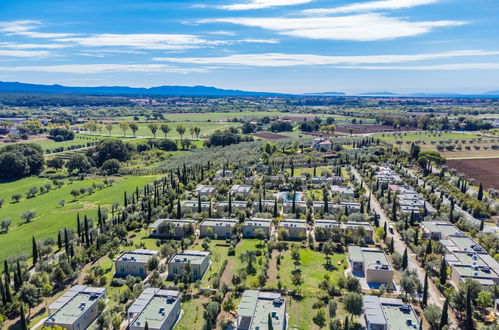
{"type": "Point", "coordinates": [344, 191]}
{"type": "Point", "coordinates": [236, 206]}
{"type": "Point", "coordinates": [240, 189]}
{"type": "Point", "coordinates": [134, 262]}
{"type": "Point", "coordinates": [388, 314]}
{"type": "Point", "coordinates": [366, 226]}
{"type": "Point", "coordinates": [287, 207]}
{"type": "Point", "coordinates": [320, 180]}
{"type": "Point", "coordinates": [224, 173]}
{"type": "Point", "coordinates": [480, 267]}
{"type": "Point", "coordinates": [461, 242]}
{"type": "Point", "coordinates": [205, 190]}
{"type": "Point", "coordinates": [198, 261]}
{"type": "Point", "coordinates": [409, 200]}
{"type": "Point", "coordinates": [220, 227]}
{"type": "Point", "coordinates": [296, 228]}
{"type": "Point", "coordinates": [349, 207]}
{"type": "Point", "coordinates": [267, 206]}
{"type": "Point", "coordinates": [76, 309]}
{"type": "Point", "coordinates": [438, 230]}
{"type": "Point", "coordinates": [323, 228]}
{"type": "Point", "coordinates": [253, 224]}
{"type": "Point", "coordinates": [255, 308]}
{"type": "Point", "coordinates": [386, 175]}
{"type": "Point", "coordinates": [372, 262]}
{"type": "Point", "coordinates": [172, 228]}
{"type": "Point", "coordinates": [160, 309]}
{"type": "Point", "coordinates": [193, 206]}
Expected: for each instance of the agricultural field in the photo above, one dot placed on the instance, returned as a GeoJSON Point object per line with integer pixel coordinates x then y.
{"type": "Point", "coordinates": [449, 144]}
{"type": "Point", "coordinates": [49, 145]}
{"type": "Point", "coordinates": [207, 127]}
{"type": "Point", "coordinates": [50, 215]}
{"type": "Point", "coordinates": [483, 171]}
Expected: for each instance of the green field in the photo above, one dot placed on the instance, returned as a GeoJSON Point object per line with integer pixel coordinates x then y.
{"type": "Point", "coordinates": [50, 217]}
{"type": "Point", "coordinates": [424, 136]}
{"type": "Point", "coordinates": [143, 131]}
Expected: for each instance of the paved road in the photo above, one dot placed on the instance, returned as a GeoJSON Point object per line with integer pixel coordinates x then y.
{"type": "Point", "coordinates": [434, 296]}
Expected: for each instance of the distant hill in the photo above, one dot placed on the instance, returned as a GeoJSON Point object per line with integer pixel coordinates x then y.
{"type": "Point", "coordinates": [325, 94]}
{"type": "Point", "coordinates": [492, 93]}
{"type": "Point", "coordinates": [378, 94]}
{"type": "Point", "coordinates": [124, 90]}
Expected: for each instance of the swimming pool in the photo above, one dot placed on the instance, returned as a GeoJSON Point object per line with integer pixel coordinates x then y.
{"type": "Point", "coordinates": [287, 196]}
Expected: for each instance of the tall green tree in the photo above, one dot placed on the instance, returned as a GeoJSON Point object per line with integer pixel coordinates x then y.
{"type": "Point", "coordinates": [405, 260]}
{"type": "Point", "coordinates": [443, 272]}
{"type": "Point", "coordinates": [424, 301]}
{"type": "Point", "coordinates": [469, 311]}
{"type": "Point", "coordinates": [444, 318]}
{"type": "Point", "coordinates": [34, 251]}
{"type": "Point", "coordinates": [480, 192]}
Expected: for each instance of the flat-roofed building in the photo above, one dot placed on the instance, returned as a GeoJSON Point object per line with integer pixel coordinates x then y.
{"type": "Point", "coordinates": [194, 206]}
{"type": "Point", "coordinates": [480, 267]}
{"type": "Point", "coordinates": [343, 191]}
{"type": "Point", "coordinates": [172, 228]}
{"type": "Point", "coordinates": [241, 189]}
{"type": "Point", "coordinates": [220, 227]}
{"type": "Point", "coordinates": [267, 206]}
{"type": "Point", "coordinates": [461, 243]}
{"type": "Point", "coordinates": [235, 205]}
{"type": "Point", "coordinates": [76, 309]}
{"type": "Point", "coordinates": [372, 262]}
{"type": "Point", "coordinates": [296, 228]}
{"type": "Point", "coordinates": [320, 180]}
{"type": "Point", "coordinates": [134, 262]}
{"type": "Point", "coordinates": [160, 309]}
{"type": "Point", "coordinates": [438, 230]}
{"type": "Point", "coordinates": [224, 173]}
{"type": "Point", "coordinates": [287, 207]}
{"type": "Point", "coordinates": [205, 190]}
{"type": "Point", "coordinates": [320, 207]}
{"type": "Point", "coordinates": [386, 175]}
{"type": "Point", "coordinates": [346, 206]}
{"type": "Point", "coordinates": [388, 314]}
{"type": "Point", "coordinates": [253, 224]}
{"type": "Point", "coordinates": [198, 261]}
{"type": "Point", "coordinates": [256, 307]}
{"type": "Point", "coordinates": [354, 226]}
{"type": "Point", "coordinates": [409, 200]}
{"type": "Point", "coordinates": [323, 228]}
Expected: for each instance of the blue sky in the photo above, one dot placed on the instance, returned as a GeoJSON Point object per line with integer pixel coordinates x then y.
{"type": "Point", "coordinates": [261, 45]}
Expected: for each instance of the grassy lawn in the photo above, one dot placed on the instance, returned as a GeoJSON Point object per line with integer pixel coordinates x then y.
{"type": "Point", "coordinates": [192, 314]}
{"type": "Point", "coordinates": [143, 131]}
{"type": "Point", "coordinates": [218, 253]}
{"type": "Point", "coordinates": [50, 217]}
{"type": "Point", "coordinates": [299, 171]}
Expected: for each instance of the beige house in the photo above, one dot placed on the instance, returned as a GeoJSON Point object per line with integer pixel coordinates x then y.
{"type": "Point", "coordinates": [193, 206]}
{"type": "Point", "coordinates": [160, 309]}
{"type": "Point", "coordinates": [134, 262]}
{"type": "Point", "coordinates": [236, 206]}
{"type": "Point", "coordinates": [372, 263]}
{"type": "Point", "coordinates": [177, 227]}
{"type": "Point", "coordinates": [240, 189]}
{"type": "Point", "coordinates": [388, 314]}
{"type": "Point", "coordinates": [256, 307]}
{"type": "Point", "coordinates": [297, 229]}
{"type": "Point", "coordinates": [199, 261]}
{"type": "Point", "coordinates": [205, 190]}
{"type": "Point", "coordinates": [222, 228]}
{"type": "Point", "coordinates": [267, 206]}
{"type": "Point", "coordinates": [253, 224]}
{"type": "Point", "coordinates": [76, 309]}
{"type": "Point", "coordinates": [287, 207]}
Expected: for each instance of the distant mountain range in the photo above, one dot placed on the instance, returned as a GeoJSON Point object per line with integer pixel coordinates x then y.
{"type": "Point", "coordinates": [197, 91]}
{"type": "Point", "coordinates": [124, 90]}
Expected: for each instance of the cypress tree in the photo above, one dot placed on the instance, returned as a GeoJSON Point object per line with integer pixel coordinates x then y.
{"type": "Point", "coordinates": [6, 271]}
{"type": "Point", "coordinates": [429, 249]}
{"type": "Point", "coordinates": [2, 292]}
{"type": "Point", "coordinates": [469, 311]}
{"type": "Point", "coordinates": [411, 219]}
{"type": "Point", "coordinates": [480, 192]}
{"type": "Point", "coordinates": [416, 237]}
{"type": "Point", "coordinates": [8, 295]}
{"type": "Point", "coordinates": [66, 240]}
{"type": "Point", "coordinates": [260, 204]}
{"type": "Point", "coordinates": [209, 210]}
{"type": "Point", "coordinates": [326, 201]}
{"type": "Point", "coordinates": [275, 208]}
{"type": "Point", "coordinates": [385, 231]}
{"type": "Point", "coordinates": [391, 248]}
{"type": "Point", "coordinates": [78, 226]}
{"type": "Point", "coordinates": [405, 260]}
{"type": "Point", "coordinates": [34, 251]}
{"type": "Point", "coordinates": [146, 327]}
{"type": "Point", "coordinates": [444, 317]}
{"type": "Point", "coordinates": [345, 324]}
{"type": "Point", "coordinates": [179, 209]}
{"type": "Point", "coordinates": [23, 324]}
{"type": "Point", "coordinates": [482, 225]}
{"type": "Point", "coordinates": [369, 202]}
{"type": "Point", "coordinates": [270, 326]}
{"type": "Point", "coordinates": [87, 233]}
{"type": "Point", "coordinates": [443, 272]}
{"type": "Point", "coordinates": [230, 204]}
{"type": "Point", "coordinates": [199, 202]}
{"type": "Point", "coordinates": [125, 199]}
{"type": "Point", "coordinates": [293, 204]}
{"type": "Point", "coordinates": [424, 302]}
{"type": "Point", "coordinates": [99, 215]}
{"type": "Point", "coordinates": [59, 240]}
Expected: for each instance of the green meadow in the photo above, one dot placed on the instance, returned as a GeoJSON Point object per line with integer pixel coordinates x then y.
{"type": "Point", "coordinates": [50, 216]}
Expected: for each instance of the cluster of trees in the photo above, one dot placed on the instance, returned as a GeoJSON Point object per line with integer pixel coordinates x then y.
{"type": "Point", "coordinates": [222, 138]}
{"type": "Point", "coordinates": [281, 126]}
{"type": "Point", "coordinates": [61, 134]}
{"type": "Point", "coordinates": [21, 160]}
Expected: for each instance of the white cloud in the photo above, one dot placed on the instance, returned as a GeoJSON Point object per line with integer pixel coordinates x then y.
{"type": "Point", "coordinates": [102, 68]}
{"type": "Point", "coordinates": [26, 28]}
{"type": "Point", "coordinates": [438, 67]}
{"type": "Point", "coordinates": [285, 60]}
{"type": "Point", "coordinates": [260, 4]}
{"type": "Point", "coordinates": [31, 46]}
{"type": "Point", "coordinates": [363, 27]}
{"type": "Point", "coordinates": [370, 6]}
{"type": "Point", "coordinates": [223, 33]}
{"type": "Point", "coordinates": [24, 53]}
